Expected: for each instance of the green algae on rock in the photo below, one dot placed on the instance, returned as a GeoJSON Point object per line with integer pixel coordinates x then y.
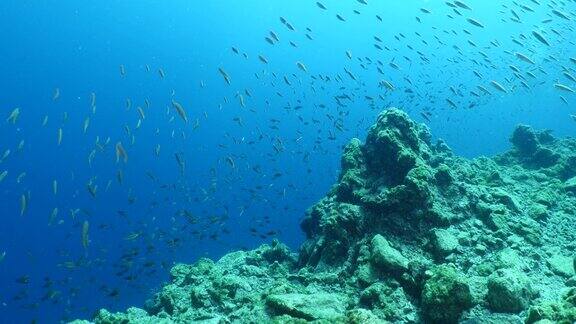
{"type": "Point", "coordinates": [409, 233]}
{"type": "Point", "coordinates": [562, 311]}
{"type": "Point", "coordinates": [445, 296]}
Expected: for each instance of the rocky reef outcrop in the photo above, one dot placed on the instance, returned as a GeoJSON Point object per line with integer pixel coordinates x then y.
{"type": "Point", "coordinates": [410, 233]}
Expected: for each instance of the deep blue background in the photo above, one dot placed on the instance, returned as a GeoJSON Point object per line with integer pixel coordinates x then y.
{"type": "Point", "coordinates": [79, 47]}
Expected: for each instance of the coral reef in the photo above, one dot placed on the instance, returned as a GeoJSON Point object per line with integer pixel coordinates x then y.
{"type": "Point", "coordinates": [410, 233]}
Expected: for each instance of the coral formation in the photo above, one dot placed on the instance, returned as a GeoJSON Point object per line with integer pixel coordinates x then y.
{"type": "Point", "coordinates": [409, 233]}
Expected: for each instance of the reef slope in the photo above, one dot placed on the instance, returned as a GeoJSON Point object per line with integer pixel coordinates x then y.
{"type": "Point", "coordinates": [410, 233]}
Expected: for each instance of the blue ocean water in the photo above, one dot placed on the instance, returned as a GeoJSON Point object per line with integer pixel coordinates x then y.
{"type": "Point", "coordinates": [255, 153]}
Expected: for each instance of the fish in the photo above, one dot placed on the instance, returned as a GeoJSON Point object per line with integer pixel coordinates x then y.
{"type": "Point", "coordinates": [141, 113]}
{"type": "Point", "coordinates": [23, 204]}
{"type": "Point", "coordinates": [56, 94]}
{"type": "Point", "coordinates": [387, 84]}
{"type": "Point", "coordinates": [53, 216]}
{"type": "Point", "coordinates": [86, 125]}
{"type": "Point", "coordinates": [569, 76]}
{"type": "Point", "coordinates": [60, 135]}
{"type": "Point", "coordinates": [516, 16]}
{"type": "Point", "coordinates": [563, 87]}
{"type": "Point", "coordinates": [475, 22]}
{"type": "Point", "coordinates": [120, 177]}
{"type": "Point", "coordinates": [3, 175]}
{"type": "Point", "coordinates": [231, 162]}
{"type": "Point", "coordinates": [523, 57]}
{"type": "Point", "coordinates": [180, 110]}
{"type": "Point", "coordinates": [498, 86]}
{"type": "Point", "coordinates": [225, 75]}
{"type": "Point", "coordinates": [540, 38]}
{"type": "Point", "coordinates": [515, 69]}
{"type": "Point", "coordinates": [560, 14]}
{"type": "Point", "coordinates": [181, 162]}
{"type": "Point", "coordinates": [462, 5]}
{"type": "Point", "coordinates": [350, 74]}
{"type": "Point", "coordinates": [55, 187]}
{"type": "Point", "coordinates": [20, 177]}
{"type": "Point", "coordinates": [301, 66]}
{"type": "Point", "coordinates": [289, 26]}
{"type": "Point", "coordinates": [23, 280]}
{"type": "Point", "coordinates": [451, 103]}
{"type": "Point", "coordinates": [5, 155]}
{"type": "Point", "coordinates": [132, 236]}
{"type": "Point", "coordinates": [425, 117]}
{"type": "Point", "coordinates": [92, 188]}
{"type": "Point", "coordinates": [321, 6]}
{"type": "Point", "coordinates": [14, 115]}
{"type": "Point", "coordinates": [2, 256]}
{"type": "Point", "coordinates": [161, 73]}
{"type": "Point", "coordinates": [20, 146]}
{"type": "Point", "coordinates": [121, 153]}
{"type": "Point", "coordinates": [84, 236]}
{"type": "Point", "coordinates": [91, 157]}
{"type": "Point", "coordinates": [241, 99]}
{"type": "Point", "coordinates": [274, 36]}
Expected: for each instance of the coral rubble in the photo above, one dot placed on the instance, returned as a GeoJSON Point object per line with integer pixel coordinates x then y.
{"type": "Point", "coordinates": [409, 233]}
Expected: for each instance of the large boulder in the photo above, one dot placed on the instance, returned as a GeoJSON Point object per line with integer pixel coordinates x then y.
{"type": "Point", "coordinates": [386, 257]}
{"type": "Point", "coordinates": [445, 296]}
{"type": "Point", "coordinates": [509, 291]}
{"type": "Point", "coordinates": [309, 307]}
{"type": "Point", "coordinates": [561, 265]}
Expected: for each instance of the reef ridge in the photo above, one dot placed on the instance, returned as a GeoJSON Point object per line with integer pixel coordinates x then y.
{"type": "Point", "coordinates": [409, 233]}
